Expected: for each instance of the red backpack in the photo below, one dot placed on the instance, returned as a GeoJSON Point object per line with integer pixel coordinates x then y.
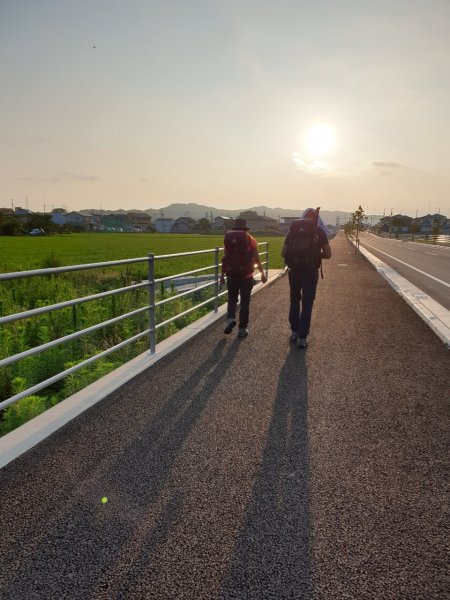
{"type": "Point", "coordinates": [239, 252]}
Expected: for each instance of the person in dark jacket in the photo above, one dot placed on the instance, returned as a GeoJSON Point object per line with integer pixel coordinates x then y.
{"type": "Point", "coordinates": [303, 284]}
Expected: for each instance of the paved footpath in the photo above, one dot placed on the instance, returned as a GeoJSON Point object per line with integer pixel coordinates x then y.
{"type": "Point", "coordinates": [250, 468]}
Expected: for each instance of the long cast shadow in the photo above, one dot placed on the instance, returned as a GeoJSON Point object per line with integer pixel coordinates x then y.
{"type": "Point", "coordinates": [272, 554]}
{"type": "Point", "coordinates": [85, 544]}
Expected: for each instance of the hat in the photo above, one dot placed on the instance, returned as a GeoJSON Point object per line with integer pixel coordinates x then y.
{"type": "Point", "coordinates": [240, 224]}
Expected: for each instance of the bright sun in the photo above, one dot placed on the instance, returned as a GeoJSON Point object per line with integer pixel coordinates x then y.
{"type": "Point", "coordinates": [319, 140]}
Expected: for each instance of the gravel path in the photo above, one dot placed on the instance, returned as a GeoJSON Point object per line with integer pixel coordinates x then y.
{"type": "Point", "coordinates": [250, 468]}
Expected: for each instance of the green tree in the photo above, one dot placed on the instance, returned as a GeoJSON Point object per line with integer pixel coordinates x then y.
{"type": "Point", "coordinates": [357, 223]}
{"type": "Point", "coordinates": [203, 225]}
{"type": "Point", "coordinates": [10, 225]}
{"type": "Point", "coordinates": [41, 221]}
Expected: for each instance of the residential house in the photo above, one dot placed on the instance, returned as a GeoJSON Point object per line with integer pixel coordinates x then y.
{"type": "Point", "coordinates": [285, 223]}
{"type": "Point", "coordinates": [72, 219]}
{"type": "Point", "coordinates": [76, 220]}
{"type": "Point", "coordinates": [222, 223]}
{"type": "Point", "coordinates": [259, 223]}
{"type": "Point", "coordinates": [23, 214]}
{"type": "Point", "coordinates": [429, 223]}
{"type": "Point", "coordinates": [95, 222]}
{"type": "Point", "coordinates": [140, 220]}
{"type": "Point", "coordinates": [184, 225]}
{"type": "Point", "coordinates": [6, 212]}
{"type": "Point", "coordinates": [116, 222]}
{"type": "Point", "coordinates": [164, 224]}
{"type": "Point", "coordinates": [394, 224]}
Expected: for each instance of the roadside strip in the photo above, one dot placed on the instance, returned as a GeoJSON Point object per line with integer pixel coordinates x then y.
{"type": "Point", "coordinates": [434, 314]}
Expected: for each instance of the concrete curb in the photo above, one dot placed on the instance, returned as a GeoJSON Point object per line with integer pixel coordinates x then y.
{"type": "Point", "coordinates": [434, 314]}
{"type": "Point", "coordinates": [31, 433]}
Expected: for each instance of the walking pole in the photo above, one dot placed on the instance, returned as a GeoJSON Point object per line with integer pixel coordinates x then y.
{"type": "Point", "coordinates": [316, 218]}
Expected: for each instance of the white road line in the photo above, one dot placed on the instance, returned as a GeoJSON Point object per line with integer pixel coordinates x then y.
{"type": "Point", "coordinates": [410, 266]}
{"type": "Point", "coordinates": [430, 253]}
{"type": "Point", "coordinates": [412, 249]}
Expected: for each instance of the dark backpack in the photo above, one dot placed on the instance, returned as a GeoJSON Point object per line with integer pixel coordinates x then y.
{"type": "Point", "coordinates": [303, 250]}
{"type": "Point", "coordinates": [240, 259]}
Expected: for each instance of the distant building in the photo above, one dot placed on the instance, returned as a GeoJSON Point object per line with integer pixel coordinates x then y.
{"type": "Point", "coordinates": [72, 219]}
{"type": "Point", "coordinates": [259, 223]}
{"type": "Point", "coordinates": [285, 223]}
{"type": "Point", "coordinates": [116, 222]}
{"type": "Point", "coordinates": [23, 214]}
{"type": "Point", "coordinates": [184, 225]}
{"type": "Point", "coordinates": [6, 212]}
{"type": "Point", "coordinates": [164, 224]}
{"type": "Point", "coordinates": [140, 220]}
{"type": "Point", "coordinates": [428, 223]}
{"type": "Point", "coordinates": [222, 223]}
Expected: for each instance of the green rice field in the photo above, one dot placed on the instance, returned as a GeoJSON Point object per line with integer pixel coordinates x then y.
{"type": "Point", "coordinates": [25, 252]}
{"type": "Point", "coordinates": [28, 253]}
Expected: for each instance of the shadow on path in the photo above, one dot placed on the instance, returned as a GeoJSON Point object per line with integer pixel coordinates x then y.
{"type": "Point", "coordinates": [272, 553]}
{"type": "Point", "coordinates": [125, 530]}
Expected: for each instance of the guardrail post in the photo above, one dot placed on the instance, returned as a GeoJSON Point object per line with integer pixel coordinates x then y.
{"type": "Point", "coordinates": [267, 260]}
{"type": "Point", "coordinates": [216, 278]}
{"type": "Point", "coordinates": [151, 301]}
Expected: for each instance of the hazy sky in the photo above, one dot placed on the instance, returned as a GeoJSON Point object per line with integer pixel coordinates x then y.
{"type": "Point", "coordinates": [225, 103]}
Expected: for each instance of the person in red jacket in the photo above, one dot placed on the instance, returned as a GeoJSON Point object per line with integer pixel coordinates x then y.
{"type": "Point", "coordinates": [238, 263]}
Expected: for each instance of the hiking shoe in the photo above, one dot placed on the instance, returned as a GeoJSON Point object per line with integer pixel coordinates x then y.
{"type": "Point", "coordinates": [243, 332]}
{"type": "Point", "coordinates": [301, 342]}
{"type": "Point", "coordinates": [293, 337]}
{"type": "Point", "coordinates": [230, 324]}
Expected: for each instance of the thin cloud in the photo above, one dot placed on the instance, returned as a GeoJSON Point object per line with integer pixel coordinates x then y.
{"type": "Point", "coordinates": [314, 166]}
{"type": "Point", "coordinates": [76, 177]}
{"type": "Point", "coordinates": [389, 165]}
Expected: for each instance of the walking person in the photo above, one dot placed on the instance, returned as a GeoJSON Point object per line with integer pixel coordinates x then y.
{"type": "Point", "coordinates": [238, 263]}
{"type": "Point", "coordinates": [304, 247]}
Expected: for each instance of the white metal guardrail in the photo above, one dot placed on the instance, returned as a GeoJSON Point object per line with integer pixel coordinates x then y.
{"type": "Point", "coordinates": [149, 308]}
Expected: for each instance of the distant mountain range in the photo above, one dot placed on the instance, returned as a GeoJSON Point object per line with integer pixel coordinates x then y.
{"type": "Point", "coordinates": [197, 211]}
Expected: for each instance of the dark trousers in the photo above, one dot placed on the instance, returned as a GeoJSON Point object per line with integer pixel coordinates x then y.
{"type": "Point", "coordinates": [303, 284]}
{"type": "Point", "coordinates": [239, 286]}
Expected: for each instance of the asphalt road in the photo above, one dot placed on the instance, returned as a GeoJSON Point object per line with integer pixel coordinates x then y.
{"type": "Point", "coordinates": [250, 468]}
{"type": "Point", "coordinates": [425, 265]}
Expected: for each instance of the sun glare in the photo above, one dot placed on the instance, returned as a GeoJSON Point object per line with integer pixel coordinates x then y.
{"type": "Point", "coordinates": [319, 140]}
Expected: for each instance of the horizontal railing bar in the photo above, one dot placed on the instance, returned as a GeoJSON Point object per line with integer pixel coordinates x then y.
{"type": "Point", "coordinates": [43, 384]}
{"type": "Point", "coordinates": [45, 309]}
{"type": "Point", "coordinates": [184, 274]}
{"type": "Point", "coordinates": [195, 289]}
{"type": "Point", "coordinates": [67, 338]}
{"type": "Point", "coordinates": [54, 270]}
{"type": "Point", "coordinates": [160, 256]}
{"type": "Point", "coordinates": [182, 314]}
